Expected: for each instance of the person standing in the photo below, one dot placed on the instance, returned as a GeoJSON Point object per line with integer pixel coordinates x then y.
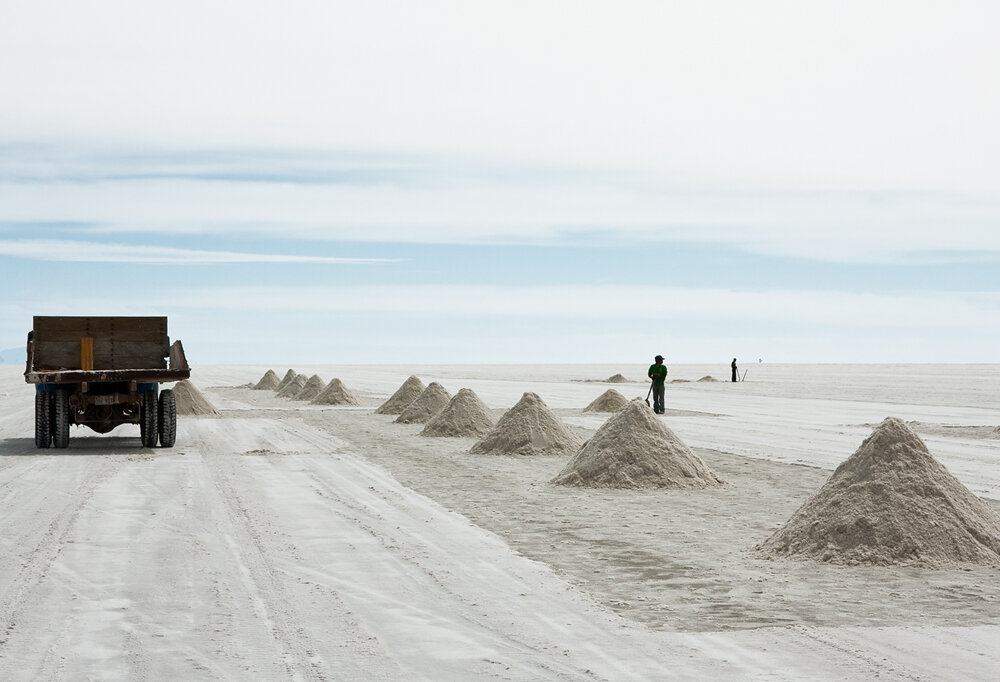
{"type": "Point", "coordinates": [736, 372]}
{"type": "Point", "coordinates": [658, 373]}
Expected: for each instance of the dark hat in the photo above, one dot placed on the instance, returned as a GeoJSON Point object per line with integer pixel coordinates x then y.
{"type": "Point", "coordinates": [658, 357]}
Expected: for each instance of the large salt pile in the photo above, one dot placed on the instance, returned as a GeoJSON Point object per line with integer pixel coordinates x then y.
{"type": "Point", "coordinates": [297, 383]}
{"type": "Point", "coordinates": [609, 401]}
{"type": "Point", "coordinates": [404, 395]}
{"type": "Point", "coordinates": [617, 379]}
{"type": "Point", "coordinates": [891, 502]}
{"type": "Point", "coordinates": [190, 401]}
{"type": "Point", "coordinates": [287, 379]}
{"type": "Point", "coordinates": [268, 382]}
{"type": "Point", "coordinates": [633, 449]}
{"type": "Point", "coordinates": [432, 400]}
{"type": "Point", "coordinates": [528, 428]}
{"type": "Point", "coordinates": [335, 393]}
{"type": "Point", "coordinates": [312, 388]}
{"type": "Point", "coordinates": [465, 415]}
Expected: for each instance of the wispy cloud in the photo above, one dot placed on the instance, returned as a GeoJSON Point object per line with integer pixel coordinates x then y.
{"type": "Point", "coordinates": [103, 252]}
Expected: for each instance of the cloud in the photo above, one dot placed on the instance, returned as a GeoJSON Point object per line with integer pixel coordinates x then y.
{"type": "Point", "coordinates": [97, 252]}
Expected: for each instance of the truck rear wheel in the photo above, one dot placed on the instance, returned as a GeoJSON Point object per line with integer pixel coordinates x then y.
{"type": "Point", "coordinates": [60, 419]}
{"type": "Point", "coordinates": [168, 419]}
{"type": "Point", "coordinates": [43, 419]}
{"type": "Point", "coordinates": [148, 430]}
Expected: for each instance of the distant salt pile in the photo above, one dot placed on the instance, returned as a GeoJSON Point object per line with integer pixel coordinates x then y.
{"type": "Point", "coordinates": [465, 415]}
{"type": "Point", "coordinates": [335, 393]}
{"type": "Point", "coordinates": [528, 428]}
{"type": "Point", "coordinates": [609, 401]}
{"type": "Point", "coordinates": [268, 382]}
{"type": "Point", "coordinates": [190, 401]}
{"type": "Point", "coordinates": [287, 379]}
{"type": "Point", "coordinates": [432, 400]}
{"type": "Point", "coordinates": [314, 386]}
{"type": "Point", "coordinates": [404, 395]}
{"type": "Point", "coordinates": [633, 449]}
{"type": "Point", "coordinates": [297, 383]}
{"type": "Point", "coordinates": [891, 502]}
{"type": "Point", "coordinates": [708, 377]}
{"type": "Point", "coordinates": [617, 379]}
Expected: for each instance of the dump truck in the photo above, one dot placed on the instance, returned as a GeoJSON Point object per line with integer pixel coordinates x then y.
{"type": "Point", "coordinates": [102, 372]}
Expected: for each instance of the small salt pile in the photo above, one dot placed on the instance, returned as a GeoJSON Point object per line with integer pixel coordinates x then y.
{"type": "Point", "coordinates": [432, 400]}
{"type": "Point", "coordinates": [268, 382]}
{"type": "Point", "coordinates": [528, 428]}
{"type": "Point", "coordinates": [633, 449]}
{"type": "Point", "coordinates": [287, 379]}
{"type": "Point", "coordinates": [292, 388]}
{"type": "Point", "coordinates": [190, 401]}
{"type": "Point", "coordinates": [609, 401]}
{"type": "Point", "coordinates": [404, 395]}
{"type": "Point", "coordinates": [313, 387]}
{"type": "Point", "coordinates": [465, 415]}
{"type": "Point", "coordinates": [617, 379]}
{"type": "Point", "coordinates": [335, 393]}
{"type": "Point", "coordinates": [890, 503]}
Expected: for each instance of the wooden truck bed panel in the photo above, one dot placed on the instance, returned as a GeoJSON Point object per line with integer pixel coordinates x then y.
{"type": "Point", "coordinates": [119, 343]}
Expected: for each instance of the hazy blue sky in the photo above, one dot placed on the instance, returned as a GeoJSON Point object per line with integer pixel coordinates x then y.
{"type": "Point", "coordinates": [508, 181]}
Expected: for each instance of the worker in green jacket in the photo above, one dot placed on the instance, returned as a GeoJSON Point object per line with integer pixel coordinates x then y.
{"type": "Point", "coordinates": [658, 373]}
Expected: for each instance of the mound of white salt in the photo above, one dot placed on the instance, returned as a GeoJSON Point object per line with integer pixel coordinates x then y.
{"type": "Point", "coordinates": [268, 382]}
{"type": "Point", "coordinates": [335, 393]}
{"type": "Point", "coordinates": [633, 449]}
{"type": "Point", "coordinates": [708, 377]}
{"type": "Point", "coordinates": [465, 415]}
{"type": "Point", "coordinates": [609, 401]}
{"type": "Point", "coordinates": [617, 379]}
{"type": "Point", "coordinates": [287, 379]}
{"type": "Point", "coordinates": [528, 428]}
{"type": "Point", "coordinates": [292, 388]}
{"type": "Point", "coordinates": [313, 387]}
{"type": "Point", "coordinates": [891, 502]}
{"type": "Point", "coordinates": [409, 391]}
{"type": "Point", "coordinates": [432, 400]}
{"type": "Point", "coordinates": [190, 401]}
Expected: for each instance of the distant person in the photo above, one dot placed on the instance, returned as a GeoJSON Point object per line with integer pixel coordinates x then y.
{"type": "Point", "coordinates": [736, 372]}
{"type": "Point", "coordinates": [658, 373]}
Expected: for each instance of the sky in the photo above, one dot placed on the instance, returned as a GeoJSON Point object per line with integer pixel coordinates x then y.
{"type": "Point", "coordinates": [507, 182]}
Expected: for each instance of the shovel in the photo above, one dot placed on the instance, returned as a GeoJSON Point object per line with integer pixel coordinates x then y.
{"type": "Point", "coordinates": [649, 393]}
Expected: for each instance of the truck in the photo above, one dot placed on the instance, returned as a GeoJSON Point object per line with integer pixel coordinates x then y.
{"type": "Point", "coordinates": [101, 372]}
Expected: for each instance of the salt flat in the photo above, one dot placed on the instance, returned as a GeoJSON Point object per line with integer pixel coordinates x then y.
{"type": "Point", "coordinates": [290, 541]}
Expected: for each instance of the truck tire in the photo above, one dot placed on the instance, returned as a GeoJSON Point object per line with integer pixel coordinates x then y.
{"type": "Point", "coordinates": [43, 419]}
{"type": "Point", "coordinates": [60, 419]}
{"type": "Point", "coordinates": [168, 419]}
{"type": "Point", "coordinates": [148, 430]}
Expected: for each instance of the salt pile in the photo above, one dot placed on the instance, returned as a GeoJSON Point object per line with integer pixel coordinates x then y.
{"type": "Point", "coordinates": [609, 401]}
{"type": "Point", "coordinates": [312, 388]}
{"type": "Point", "coordinates": [297, 383]}
{"type": "Point", "coordinates": [633, 449]}
{"type": "Point", "coordinates": [617, 379]}
{"type": "Point", "coordinates": [528, 428]}
{"type": "Point", "coordinates": [432, 400]}
{"type": "Point", "coordinates": [335, 393]}
{"type": "Point", "coordinates": [708, 377]}
{"type": "Point", "coordinates": [268, 382]}
{"type": "Point", "coordinates": [891, 502]}
{"type": "Point", "coordinates": [465, 415]}
{"type": "Point", "coordinates": [404, 395]}
{"type": "Point", "coordinates": [287, 379]}
{"type": "Point", "coordinates": [190, 401]}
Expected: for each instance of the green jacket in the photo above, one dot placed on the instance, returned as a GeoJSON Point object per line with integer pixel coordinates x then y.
{"type": "Point", "coordinates": [658, 373]}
